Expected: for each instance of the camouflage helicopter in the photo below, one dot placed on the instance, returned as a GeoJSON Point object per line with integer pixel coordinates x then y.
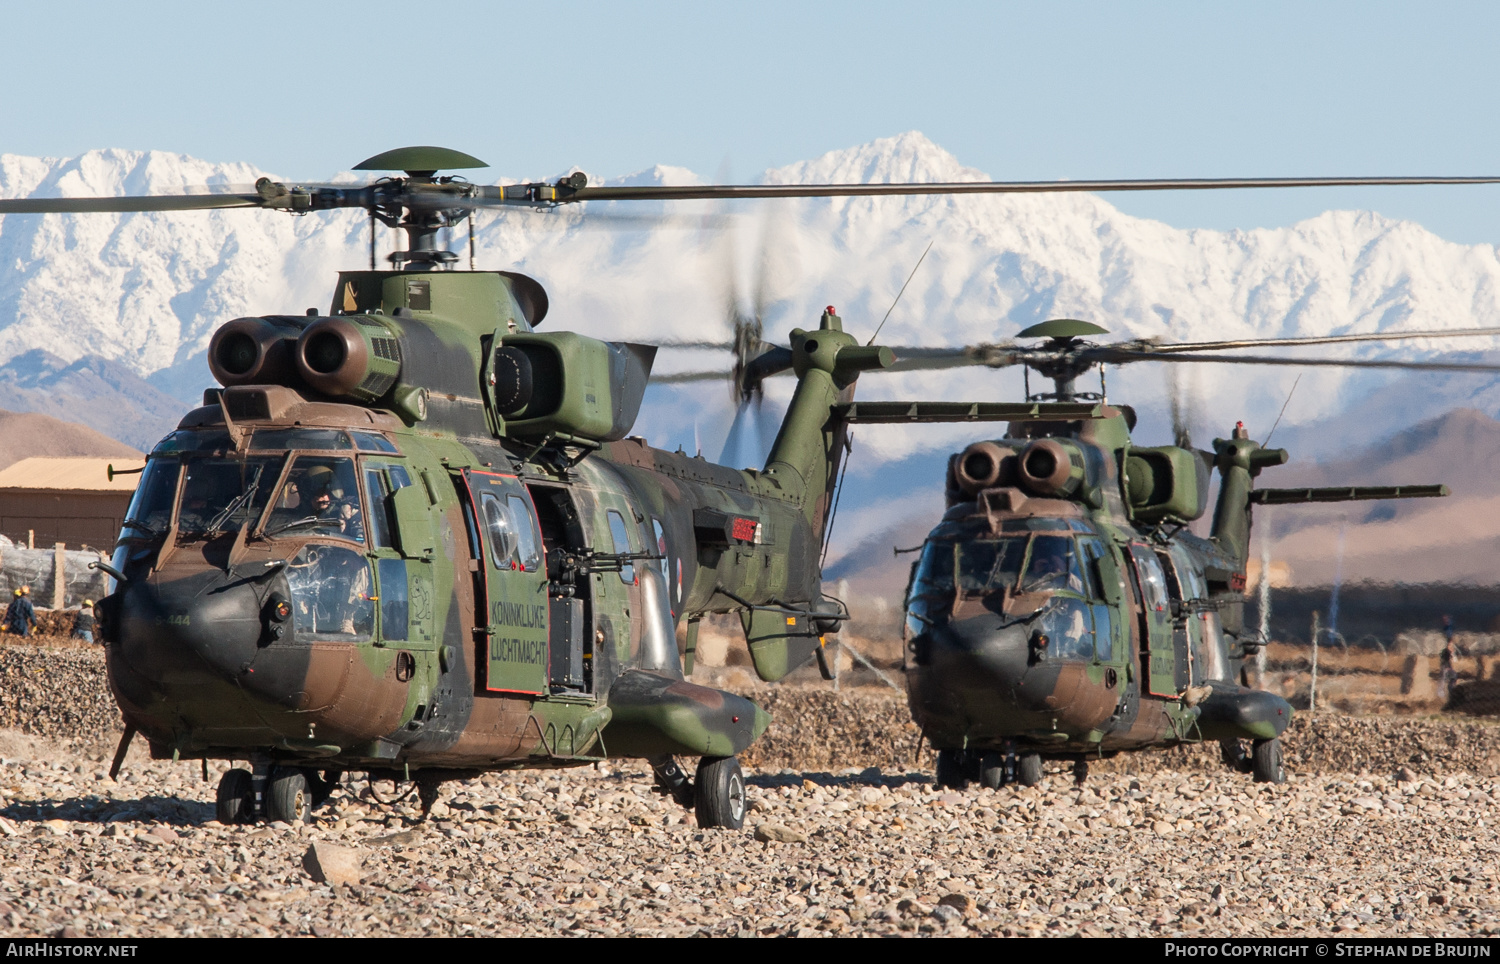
{"type": "Point", "coordinates": [1062, 609]}
{"type": "Point", "coordinates": [413, 538]}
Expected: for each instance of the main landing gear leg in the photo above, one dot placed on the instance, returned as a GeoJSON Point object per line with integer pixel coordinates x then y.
{"type": "Point", "coordinates": [670, 780]}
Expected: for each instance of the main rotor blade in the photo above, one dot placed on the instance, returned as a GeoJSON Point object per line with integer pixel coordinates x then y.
{"type": "Point", "coordinates": [704, 345]}
{"type": "Point", "coordinates": [1314, 340]}
{"type": "Point", "coordinates": [682, 378]}
{"type": "Point", "coordinates": [1111, 357]}
{"type": "Point", "coordinates": [938, 359]}
{"type": "Point", "coordinates": [125, 205]}
{"type": "Point", "coordinates": [656, 192]}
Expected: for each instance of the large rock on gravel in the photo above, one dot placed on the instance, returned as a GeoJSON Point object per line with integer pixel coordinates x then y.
{"type": "Point", "coordinates": [331, 863]}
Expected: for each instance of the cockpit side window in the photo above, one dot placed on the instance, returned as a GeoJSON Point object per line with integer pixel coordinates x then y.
{"type": "Point", "coordinates": [151, 505]}
{"type": "Point", "coordinates": [382, 513]}
{"type": "Point", "coordinates": [934, 576]}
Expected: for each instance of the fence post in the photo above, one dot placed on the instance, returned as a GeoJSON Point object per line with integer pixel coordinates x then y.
{"type": "Point", "coordinates": [1312, 688]}
{"type": "Point", "coordinates": [59, 576]}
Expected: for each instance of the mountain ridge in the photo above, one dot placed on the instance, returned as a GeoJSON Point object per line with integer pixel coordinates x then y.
{"type": "Point", "coordinates": [146, 291]}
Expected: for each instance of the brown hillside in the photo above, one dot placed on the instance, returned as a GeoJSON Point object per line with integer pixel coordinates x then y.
{"type": "Point", "coordinates": [27, 434]}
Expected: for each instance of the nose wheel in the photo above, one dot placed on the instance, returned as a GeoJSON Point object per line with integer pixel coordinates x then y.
{"type": "Point", "coordinates": [720, 793]}
{"type": "Point", "coordinates": [953, 769]}
{"type": "Point", "coordinates": [234, 801]}
{"type": "Point", "coordinates": [716, 795]}
{"type": "Point", "coordinates": [284, 793]}
{"type": "Point", "coordinates": [1266, 763]}
{"type": "Point", "coordinates": [288, 797]}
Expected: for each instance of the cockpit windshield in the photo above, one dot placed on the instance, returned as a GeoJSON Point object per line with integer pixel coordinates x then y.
{"type": "Point", "coordinates": [1043, 562]}
{"type": "Point", "coordinates": [320, 497]}
{"type": "Point", "coordinates": [991, 564]}
{"type": "Point", "coordinates": [222, 494]}
{"type": "Point", "coordinates": [1053, 566]}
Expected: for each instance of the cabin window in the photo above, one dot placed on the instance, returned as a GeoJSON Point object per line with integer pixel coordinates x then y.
{"type": "Point", "coordinates": [661, 550]}
{"type": "Point", "coordinates": [500, 529]}
{"type": "Point", "coordinates": [528, 544]}
{"type": "Point", "coordinates": [320, 497]}
{"type": "Point", "coordinates": [221, 495]}
{"type": "Point", "coordinates": [1153, 580]}
{"type": "Point", "coordinates": [512, 532]}
{"type": "Point", "coordinates": [620, 535]}
{"type": "Point", "coordinates": [331, 593]}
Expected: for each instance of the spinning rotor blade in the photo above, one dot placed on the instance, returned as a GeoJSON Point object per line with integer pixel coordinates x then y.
{"type": "Point", "coordinates": [776, 360]}
{"type": "Point", "coordinates": [695, 345]}
{"type": "Point", "coordinates": [937, 359]}
{"type": "Point", "coordinates": [1315, 340]}
{"type": "Point", "coordinates": [1107, 356]}
{"type": "Point", "coordinates": [682, 378]}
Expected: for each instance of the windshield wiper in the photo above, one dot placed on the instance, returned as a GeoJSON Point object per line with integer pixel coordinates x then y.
{"type": "Point", "coordinates": [144, 527]}
{"type": "Point", "coordinates": [236, 502]}
{"type": "Point", "coordinates": [309, 520]}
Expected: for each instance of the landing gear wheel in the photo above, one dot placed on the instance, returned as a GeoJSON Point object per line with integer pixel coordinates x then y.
{"type": "Point", "coordinates": [1232, 752]}
{"type": "Point", "coordinates": [1029, 769]}
{"type": "Point", "coordinates": [992, 770]}
{"type": "Point", "coordinates": [1266, 763]}
{"type": "Point", "coordinates": [719, 793]}
{"type": "Point", "coordinates": [287, 797]}
{"type": "Point", "coordinates": [951, 770]}
{"type": "Point", "coordinates": [1080, 771]}
{"type": "Point", "coordinates": [234, 801]}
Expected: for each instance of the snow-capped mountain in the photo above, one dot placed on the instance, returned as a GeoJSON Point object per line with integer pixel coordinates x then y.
{"type": "Point", "coordinates": [144, 292]}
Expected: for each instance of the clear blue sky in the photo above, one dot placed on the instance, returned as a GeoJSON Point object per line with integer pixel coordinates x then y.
{"type": "Point", "coordinates": [1016, 90]}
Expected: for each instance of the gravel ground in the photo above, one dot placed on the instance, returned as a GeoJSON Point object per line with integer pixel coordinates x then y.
{"type": "Point", "coordinates": [1384, 829]}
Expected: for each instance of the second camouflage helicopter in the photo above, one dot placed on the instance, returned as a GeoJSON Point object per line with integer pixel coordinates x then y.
{"type": "Point", "coordinates": [1062, 609]}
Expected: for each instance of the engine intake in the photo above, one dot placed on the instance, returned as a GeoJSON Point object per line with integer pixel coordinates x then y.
{"type": "Point", "coordinates": [984, 465]}
{"type": "Point", "coordinates": [355, 357]}
{"type": "Point", "coordinates": [253, 351]}
{"type": "Point", "coordinates": [1048, 468]}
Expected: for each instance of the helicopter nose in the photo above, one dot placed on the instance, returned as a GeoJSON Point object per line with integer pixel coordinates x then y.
{"type": "Point", "coordinates": [175, 629]}
{"type": "Point", "coordinates": [978, 654]}
{"type": "Point", "coordinates": [974, 678]}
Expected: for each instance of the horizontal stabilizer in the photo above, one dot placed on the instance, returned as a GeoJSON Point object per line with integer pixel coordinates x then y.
{"type": "Point", "coordinates": [900, 412]}
{"type": "Point", "coordinates": [1350, 493]}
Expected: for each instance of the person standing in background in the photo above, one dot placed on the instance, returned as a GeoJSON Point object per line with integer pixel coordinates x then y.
{"type": "Point", "coordinates": [83, 623]}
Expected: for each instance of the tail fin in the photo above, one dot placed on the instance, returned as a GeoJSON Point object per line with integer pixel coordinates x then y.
{"type": "Point", "coordinates": [1239, 460]}
{"type": "Point", "coordinates": [804, 463]}
{"type": "Point", "coordinates": [804, 459]}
